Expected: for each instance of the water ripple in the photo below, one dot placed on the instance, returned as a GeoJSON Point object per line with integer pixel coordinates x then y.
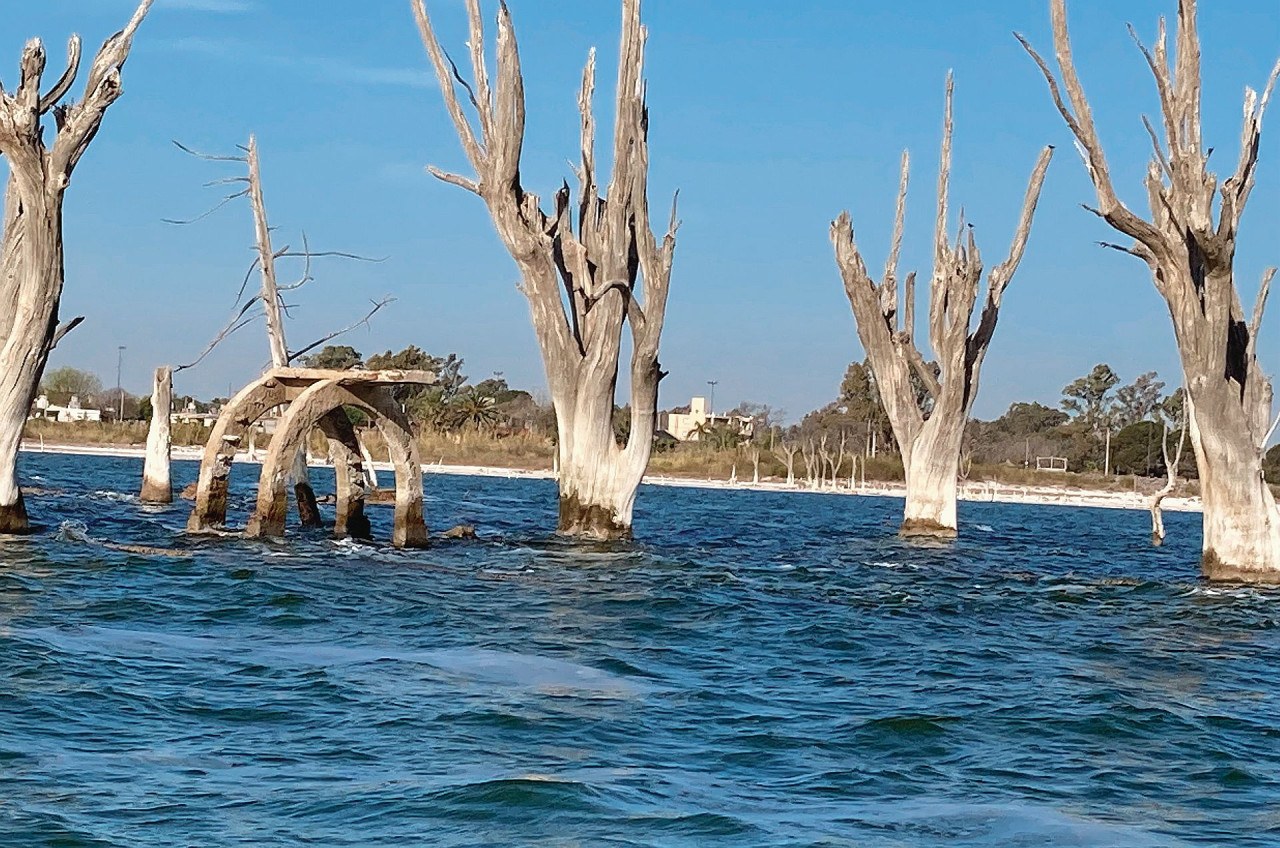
{"type": "Point", "coordinates": [764, 669]}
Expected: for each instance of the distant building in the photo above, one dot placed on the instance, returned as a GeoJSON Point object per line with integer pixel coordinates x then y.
{"type": "Point", "coordinates": [191, 415]}
{"type": "Point", "coordinates": [686, 426]}
{"type": "Point", "coordinates": [64, 414]}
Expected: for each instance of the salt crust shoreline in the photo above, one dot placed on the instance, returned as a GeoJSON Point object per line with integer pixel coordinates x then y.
{"type": "Point", "coordinates": [989, 492]}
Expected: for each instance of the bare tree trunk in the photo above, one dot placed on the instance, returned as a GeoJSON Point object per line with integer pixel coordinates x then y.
{"type": "Point", "coordinates": [840, 452]}
{"type": "Point", "coordinates": [299, 474]}
{"type": "Point", "coordinates": [31, 255]}
{"type": "Point", "coordinates": [583, 287]}
{"type": "Point", "coordinates": [932, 467]}
{"type": "Point", "coordinates": [811, 471]}
{"type": "Point", "coordinates": [931, 436]}
{"type": "Point", "coordinates": [755, 465]}
{"type": "Point", "coordinates": [1192, 256]}
{"type": "Point", "coordinates": [157, 486]}
{"type": "Point", "coordinates": [789, 451]}
{"type": "Point", "coordinates": [1171, 468]}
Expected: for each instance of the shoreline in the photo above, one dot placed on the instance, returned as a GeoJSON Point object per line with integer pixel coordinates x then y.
{"type": "Point", "coordinates": [978, 492]}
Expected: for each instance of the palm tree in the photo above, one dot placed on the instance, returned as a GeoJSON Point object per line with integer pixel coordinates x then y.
{"type": "Point", "coordinates": [475, 410]}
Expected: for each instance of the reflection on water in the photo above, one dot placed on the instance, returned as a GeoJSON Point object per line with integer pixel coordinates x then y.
{"type": "Point", "coordinates": [763, 669]}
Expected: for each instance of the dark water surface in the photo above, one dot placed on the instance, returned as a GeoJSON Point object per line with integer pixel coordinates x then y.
{"type": "Point", "coordinates": [763, 670]}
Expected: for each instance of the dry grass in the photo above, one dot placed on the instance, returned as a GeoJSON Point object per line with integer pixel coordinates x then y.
{"type": "Point", "coordinates": [533, 452]}
{"type": "Point", "coordinates": [123, 434]}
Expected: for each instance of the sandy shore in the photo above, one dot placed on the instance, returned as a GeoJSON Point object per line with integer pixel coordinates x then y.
{"type": "Point", "coordinates": [980, 491]}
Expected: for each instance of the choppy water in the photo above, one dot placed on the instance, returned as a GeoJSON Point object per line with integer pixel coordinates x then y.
{"type": "Point", "coordinates": [764, 670]}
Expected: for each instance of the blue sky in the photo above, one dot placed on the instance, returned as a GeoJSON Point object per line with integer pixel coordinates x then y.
{"type": "Point", "coordinates": [770, 118]}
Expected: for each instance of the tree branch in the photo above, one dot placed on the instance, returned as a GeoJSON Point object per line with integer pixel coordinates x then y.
{"type": "Point", "coordinates": [443, 67]}
{"type": "Point", "coordinates": [362, 322]}
{"type": "Point", "coordinates": [1259, 307]}
{"type": "Point", "coordinates": [64, 329]}
{"type": "Point", "coordinates": [1079, 119]}
{"type": "Point", "coordinates": [64, 83]}
{"type": "Point", "coordinates": [454, 179]}
{"type": "Point", "coordinates": [237, 322]}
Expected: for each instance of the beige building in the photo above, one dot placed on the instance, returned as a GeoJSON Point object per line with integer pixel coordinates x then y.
{"type": "Point", "coordinates": [686, 426]}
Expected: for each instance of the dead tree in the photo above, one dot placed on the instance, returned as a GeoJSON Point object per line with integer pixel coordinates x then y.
{"type": "Point", "coordinates": [1191, 256]}
{"type": "Point", "coordinates": [157, 485]}
{"type": "Point", "coordinates": [787, 453]}
{"type": "Point", "coordinates": [809, 452]}
{"type": "Point", "coordinates": [31, 253]}
{"type": "Point", "coordinates": [273, 308]}
{"type": "Point", "coordinates": [1171, 468]}
{"type": "Point", "coordinates": [613, 269]}
{"type": "Point", "coordinates": [930, 434]}
{"type": "Point", "coordinates": [841, 450]}
{"type": "Point", "coordinates": [270, 299]}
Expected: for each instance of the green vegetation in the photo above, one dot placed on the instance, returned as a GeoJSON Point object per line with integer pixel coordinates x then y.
{"type": "Point", "coordinates": [490, 423]}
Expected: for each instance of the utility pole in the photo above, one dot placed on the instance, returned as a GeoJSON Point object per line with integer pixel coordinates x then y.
{"type": "Point", "coordinates": [711, 401]}
{"type": "Point", "coordinates": [119, 386]}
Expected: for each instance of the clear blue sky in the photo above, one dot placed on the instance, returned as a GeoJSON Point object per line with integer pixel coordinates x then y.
{"type": "Point", "coordinates": [769, 117]}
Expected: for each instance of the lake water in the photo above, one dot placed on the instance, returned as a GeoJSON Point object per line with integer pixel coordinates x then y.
{"type": "Point", "coordinates": [761, 670]}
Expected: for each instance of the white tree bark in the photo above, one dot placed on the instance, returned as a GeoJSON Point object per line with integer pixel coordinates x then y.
{"type": "Point", "coordinates": [1171, 469]}
{"type": "Point", "coordinates": [931, 437]}
{"type": "Point", "coordinates": [31, 255]}
{"type": "Point", "coordinates": [584, 286]}
{"type": "Point", "coordinates": [157, 486]}
{"type": "Point", "coordinates": [1191, 256]}
{"type": "Point", "coordinates": [299, 474]}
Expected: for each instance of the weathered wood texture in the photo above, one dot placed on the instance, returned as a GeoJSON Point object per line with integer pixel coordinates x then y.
{"type": "Point", "coordinates": [273, 307]}
{"type": "Point", "coordinates": [157, 487]}
{"type": "Point", "coordinates": [1171, 464]}
{"type": "Point", "coordinates": [31, 252]}
{"type": "Point", "coordinates": [1191, 256]}
{"type": "Point", "coordinates": [584, 286]}
{"type": "Point", "coordinates": [930, 436]}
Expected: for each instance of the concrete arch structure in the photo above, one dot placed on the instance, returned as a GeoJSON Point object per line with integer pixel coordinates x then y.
{"type": "Point", "coordinates": [322, 403]}
{"type": "Point", "coordinates": [315, 399]}
{"type": "Point", "coordinates": [241, 412]}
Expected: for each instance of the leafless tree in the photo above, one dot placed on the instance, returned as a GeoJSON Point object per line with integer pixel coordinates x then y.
{"type": "Point", "coordinates": [930, 434]}
{"type": "Point", "coordinates": [1171, 465]}
{"type": "Point", "coordinates": [812, 470]}
{"type": "Point", "coordinates": [31, 251]}
{"type": "Point", "coordinates": [787, 453]}
{"type": "Point", "coordinates": [1191, 256]}
{"type": "Point", "coordinates": [613, 270]}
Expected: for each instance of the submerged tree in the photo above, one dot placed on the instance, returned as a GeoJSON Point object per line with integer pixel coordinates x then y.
{"type": "Point", "coordinates": [157, 482]}
{"type": "Point", "coordinates": [1155, 502]}
{"type": "Point", "coordinates": [930, 429]}
{"type": "Point", "coordinates": [31, 253]}
{"type": "Point", "coordinates": [1191, 256]}
{"type": "Point", "coordinates": [614, 271]}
